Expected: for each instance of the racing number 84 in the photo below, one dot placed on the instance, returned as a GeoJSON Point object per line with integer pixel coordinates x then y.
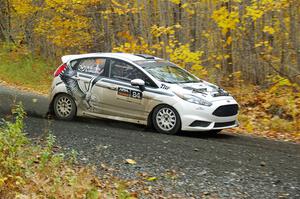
{"type": "Point", "coordinates": [136, 94]}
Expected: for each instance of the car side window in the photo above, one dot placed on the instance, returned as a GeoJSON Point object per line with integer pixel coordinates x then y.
{"type": "Point", "coordinates": [123, 71]}
{"type": "Point", "coordinates": [94, 66]}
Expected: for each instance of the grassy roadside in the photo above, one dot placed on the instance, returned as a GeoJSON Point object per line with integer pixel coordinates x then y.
{"type": "Point", "coordinates": [41, 170]}
{"type": "Point", "coordinates": [20, 69]}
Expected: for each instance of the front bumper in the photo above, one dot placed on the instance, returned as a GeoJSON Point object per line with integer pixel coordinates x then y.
{"type": "Point", "coordinates": [201, 118]}
{"type": "Point", "coordinates": [212, 126]}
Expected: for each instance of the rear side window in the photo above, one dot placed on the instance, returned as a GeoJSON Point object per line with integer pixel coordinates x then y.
{"type": "Point", "coordinates": [94, 66]}
{"type": "Point", "coordinates": [123, 71]}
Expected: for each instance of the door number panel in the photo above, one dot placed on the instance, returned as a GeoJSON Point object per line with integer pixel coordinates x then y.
{"type": "Point", "coordinates": [130, 93]}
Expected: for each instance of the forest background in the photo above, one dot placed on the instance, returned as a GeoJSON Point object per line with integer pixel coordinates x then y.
{"type": "Point", "coordinates": [250, 47]}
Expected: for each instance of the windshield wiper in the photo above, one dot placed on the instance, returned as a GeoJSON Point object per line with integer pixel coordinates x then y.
{"type": "Point", "coordinates": [194, 81]}
{"type": "Point", "coordinates": [170, 82]}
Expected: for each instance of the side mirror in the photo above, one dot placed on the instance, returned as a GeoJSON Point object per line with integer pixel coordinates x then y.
{"type": "Point", "coordinates": [138, 82]}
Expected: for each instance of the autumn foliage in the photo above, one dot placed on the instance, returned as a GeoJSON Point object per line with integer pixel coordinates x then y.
{"type": "Point", "coordinates": [249, 47]}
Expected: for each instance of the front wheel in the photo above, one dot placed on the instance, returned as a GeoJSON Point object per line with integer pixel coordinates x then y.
{"type": "Point", "coordinates": [166, 119]}
{"type": "Point", "coordinates": [64, 107]}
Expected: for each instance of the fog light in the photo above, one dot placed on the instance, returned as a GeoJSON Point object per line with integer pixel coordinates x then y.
{"type": "Point", "coordinates": [199, 123]}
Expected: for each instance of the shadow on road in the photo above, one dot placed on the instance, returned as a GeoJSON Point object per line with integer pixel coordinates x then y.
{"type": "Point", "coordinates": [103, 123]}
{"type": "Point", "coordinates": [206, 135]}
{"type": "Point", "coordinates": [136, 127]}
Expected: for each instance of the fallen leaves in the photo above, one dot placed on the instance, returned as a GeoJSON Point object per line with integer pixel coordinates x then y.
{"type": "Point", "coordinates": [272, 112]}
{"type": "Point", "coordinates": [130, 161]}
{"type": "Point", "coordinates": [152, 179]}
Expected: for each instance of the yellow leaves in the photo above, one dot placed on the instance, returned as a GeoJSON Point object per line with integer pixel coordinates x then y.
{"type": "Point", "coordinates": [150, 179]}
{"type": "Point", "coordinates": [121, 8]}
{"type": "Point", "coordinates": [190, 11]}
{"type": "Point", "coordinates": [226, 57]}
{"type": "Point", "coordinates": [184, 55]}
{"type": "Point", "coordinates": [115, 3]}
{"type": "Point", "coordinates": [158, 31]}
{"type": "Point", "coordinates": [257, 9]}
{"type": "Point", "coordinates": [268, 29]}
{"type": "Point", "coordinates": [185, 5]}
{"type": "Point", "coordinates": [24, 8]}
{"type": "Point", "coordinates": [218, 66]}
{"type": "Point", "coordinates": [280, 82]}
{"type": "Point", "coordinates": [65, 33]}
{"type": "Point", "coordinates": [63, 24]}
{"type": "Point", "coordinates": [207, 35]}
{"type": "Point", "coordinates": [226, 20]}
{"type": "Point", "coordinates": [258, 45]}
{"type": "Point", "coordinates": [266, 51]}
{"type": "Point", "coordinates": [175, 1]}
{"type": "Point", "coordinates": [132, 45]}
{"type": "Point", "coordinates": [249, 127]}
{"type": "Point", "coordinates": [178, 53]}
{"type": "Point", "coordinates": [2, 181]}
{"type": "Point", "coordinates": [178, 26]}
{"type": "Point", "coordinates": [229, 40]}
{"type": "Point", "coordinates": [254, 13]}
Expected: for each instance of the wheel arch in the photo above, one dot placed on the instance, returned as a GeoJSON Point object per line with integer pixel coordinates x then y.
{"type": "Point", "coordinates": [51, 108]}
{"type": "Point", "coordinates": [149, 119]}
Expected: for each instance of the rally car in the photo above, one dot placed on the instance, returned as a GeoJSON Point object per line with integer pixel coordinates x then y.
{"type": "Point", "coordinates": [141, 89]}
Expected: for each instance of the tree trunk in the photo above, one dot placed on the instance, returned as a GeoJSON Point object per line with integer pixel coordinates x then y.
{"type": "Point", "coordinates": [228, 46]}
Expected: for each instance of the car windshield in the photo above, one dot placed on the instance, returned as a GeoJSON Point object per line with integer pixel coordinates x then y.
{"type": "Point", "coordinates": [167, 72]}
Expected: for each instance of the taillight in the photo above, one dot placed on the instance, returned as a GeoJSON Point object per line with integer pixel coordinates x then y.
{"type": "Point", "coordinates": [60, 69]}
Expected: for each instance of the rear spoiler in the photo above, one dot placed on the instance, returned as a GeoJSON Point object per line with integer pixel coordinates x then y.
{"type": "Point", "coordinates": [67, 58]}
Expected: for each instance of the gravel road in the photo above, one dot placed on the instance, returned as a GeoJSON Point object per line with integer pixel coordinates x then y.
{"type": "Point", "coordinates": [191, 164]}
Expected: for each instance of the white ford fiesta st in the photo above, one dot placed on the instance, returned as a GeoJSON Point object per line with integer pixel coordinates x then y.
{"type": "Point", "coordinates": [140, 89]}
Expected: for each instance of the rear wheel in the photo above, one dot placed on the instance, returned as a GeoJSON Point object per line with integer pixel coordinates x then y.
{"type": "Point", "coordinates": [166, 119]}
{"type": "Point", "coordinates": [64, 107]}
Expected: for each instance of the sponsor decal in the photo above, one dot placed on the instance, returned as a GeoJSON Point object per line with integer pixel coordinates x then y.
{"type": "Point", "coordinates": [130, 93]}
{"type": "Point", "coordinates": [124, 92]}
{"type": "Point", "coordinates": [82, 95]}
{"type": "Point", "coordinates": [163, 86]}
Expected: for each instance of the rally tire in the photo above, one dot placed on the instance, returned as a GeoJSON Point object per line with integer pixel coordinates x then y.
{"type": "Point", "coordinates": [166, 120]}
{"type": "Point", "coordinates": [64, 107]}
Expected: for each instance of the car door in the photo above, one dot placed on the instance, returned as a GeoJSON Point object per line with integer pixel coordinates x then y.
{"type": "Point", "coordinates": [118, 97]}
{"type": "Point", "coordinates": [88, 72]}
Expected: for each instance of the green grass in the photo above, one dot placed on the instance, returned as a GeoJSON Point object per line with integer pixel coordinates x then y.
{"type": "Point", "coordinates": [32, 170]}
{"type": "Point", "coordinates": [20, 68]}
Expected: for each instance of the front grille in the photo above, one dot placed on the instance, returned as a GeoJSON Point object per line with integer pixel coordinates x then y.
{"type": "Point", "coordinates": [200, 123]}
{"type": "Point", "coordinates": [224, 124]}
{"type": "Point", "coordinates": [226, 110]}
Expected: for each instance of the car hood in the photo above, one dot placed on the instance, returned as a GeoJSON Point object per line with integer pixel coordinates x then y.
{"type": "Point", "coordinates": [203, 89]}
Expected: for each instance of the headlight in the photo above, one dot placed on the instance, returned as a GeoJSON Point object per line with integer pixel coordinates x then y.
{"type": "Point", "coordinates": [195, 100]}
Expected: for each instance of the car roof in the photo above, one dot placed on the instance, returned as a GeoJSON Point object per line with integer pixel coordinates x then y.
{"type": "Point", "coordinates": [123, 56]}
